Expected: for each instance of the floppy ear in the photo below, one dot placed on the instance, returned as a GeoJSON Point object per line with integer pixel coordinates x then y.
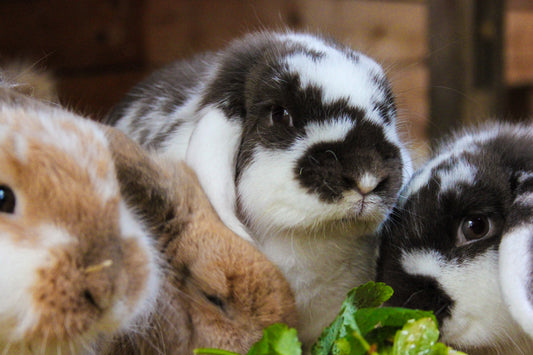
{"type": "Point", "coordinates": [516, 257]}
{"type": "Point", "coordinates": [212, 154]}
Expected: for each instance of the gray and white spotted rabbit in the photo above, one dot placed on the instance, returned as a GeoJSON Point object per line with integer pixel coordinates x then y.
{"type": "Point", "coordinates": [293, 138]}
{"type": "Point", "coordinates": [460, 240]}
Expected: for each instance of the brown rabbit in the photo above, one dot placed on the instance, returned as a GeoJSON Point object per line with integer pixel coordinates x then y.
{"type": "Point", "coordinates": [76, 266]}
{"type": "Point", "coordinates": [218, 290]}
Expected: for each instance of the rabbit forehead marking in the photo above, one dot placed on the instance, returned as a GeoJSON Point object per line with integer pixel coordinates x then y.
{"type": "Point", "coordinates": [434, 168]}
{"type": "Point", "coordinates": [338, 78]}
{"type": "Point", "coordinates": [325, 131]}
{"type": "Point", "coordinates": [460, 172]}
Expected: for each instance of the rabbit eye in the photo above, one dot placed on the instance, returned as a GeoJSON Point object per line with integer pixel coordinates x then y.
{"type": "Point", "coordinates": [215, 300]}
{"type": "Point", "coordinates": [280, 115]}
{"type": "Point", "coordinates": [474, 227]}
{"type": "Point", "coordinates": [7, 199]}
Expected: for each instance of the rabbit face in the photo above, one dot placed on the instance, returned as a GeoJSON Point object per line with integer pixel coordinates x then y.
{"type": "Point", "coordinates": [440, 246]}
{"type": "Point", "coordinates": [75, 263]}
{"type": "Point", "coordinates": [319, 142]}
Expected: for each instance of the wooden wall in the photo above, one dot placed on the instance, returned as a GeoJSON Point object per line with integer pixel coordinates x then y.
{"type": "Point", "coordinates": [99, 48]}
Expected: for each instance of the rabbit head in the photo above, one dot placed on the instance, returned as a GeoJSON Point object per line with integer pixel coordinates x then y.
{"type": "Point", "coordinates": [303, 135]}
{"type": "Point", "coordinates": [440, 247]}
{"type": "Point", "coordinates": [75, 264]}
{"type": "Point", "coordinates": [219, 290]}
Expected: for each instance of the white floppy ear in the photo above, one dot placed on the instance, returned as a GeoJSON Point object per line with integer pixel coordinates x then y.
{"type": "Point", "coordinates": [516, 261]}
{"type": "Point", "coordinates": [212, 154]}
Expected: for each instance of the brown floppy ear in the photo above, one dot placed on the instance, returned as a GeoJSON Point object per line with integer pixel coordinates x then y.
{"type": "Point", "coordinates": [146, 186]}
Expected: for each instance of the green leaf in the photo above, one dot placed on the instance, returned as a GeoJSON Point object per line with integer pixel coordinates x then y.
{"type": "Point", "coordinates": [278, 339]}
{"type": "Point", "coordinates": [207, 351]}
{"type": "Point", "coordinates": [371, 294]}
{"type": "Point", "coordinates": [369, 319]}
{"type": "Point", "coordinates": [417, 337]}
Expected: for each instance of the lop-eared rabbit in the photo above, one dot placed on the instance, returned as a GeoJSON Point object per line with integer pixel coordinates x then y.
{"type": "Point", "coordinates": [460, 240]}
{"type": "Point", "coordinates": [76, 265]}
{"type": "Point", "coordinates": [219, 291]}
{"type": "Point", "coordinates": [293, 138]}
{"type": "Point", "coordinates": [88, 269]}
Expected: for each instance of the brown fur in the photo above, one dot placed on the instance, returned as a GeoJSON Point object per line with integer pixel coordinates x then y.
{"type": "Point", "coordinates": [204, 260]}
{"type": "Point", "coordinates": [57, 197]}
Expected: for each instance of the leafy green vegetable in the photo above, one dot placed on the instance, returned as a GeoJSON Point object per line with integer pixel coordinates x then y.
{"type": "Point", "coordinates": [278, 339]}
{"type": "Point", "coordinates": [362, 327]}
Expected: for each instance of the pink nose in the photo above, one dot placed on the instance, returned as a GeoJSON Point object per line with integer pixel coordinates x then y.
{"type": "Point", "coordinates": [367, 183]}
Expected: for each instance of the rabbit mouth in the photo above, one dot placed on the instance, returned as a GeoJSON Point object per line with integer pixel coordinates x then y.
{"type": "Point", "coordinates": [366, 207]}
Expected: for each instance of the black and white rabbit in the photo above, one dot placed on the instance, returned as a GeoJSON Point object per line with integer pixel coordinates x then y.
{"type": "Point", "coordinates": [459, 240]}
{"type": "Point", "coordinates": [293, 139]}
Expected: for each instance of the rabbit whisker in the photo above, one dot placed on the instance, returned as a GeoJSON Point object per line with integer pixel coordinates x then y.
{"type": "Point", "coordinates": [411, 296]}
{"type": "Point", "coordinates": [332, 153]}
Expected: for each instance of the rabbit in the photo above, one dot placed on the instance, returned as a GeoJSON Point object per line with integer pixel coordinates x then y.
{"type": "Point", "coordinates": [458, 242]}
{"type": "Point", "coordinates": [293, 139]}
{"type": "Point", "coordinates": [76, 264]}
{"type": "Point", "coordinates": [218, 290]}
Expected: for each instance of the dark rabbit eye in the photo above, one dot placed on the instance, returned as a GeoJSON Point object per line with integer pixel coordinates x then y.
{"type": "Point", "coordinates": [216, 301]}
{"type": "Point", "coordinates": [474, 227]}
{"type": "Point", "coordinates": [7, 199]}
{"type": "Point", "coordinates": [280, 115]}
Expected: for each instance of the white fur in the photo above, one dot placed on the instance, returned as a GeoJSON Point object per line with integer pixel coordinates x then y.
{"type": "Point", "coordinates": [338, 78]}
{"type": "Point", "coordinates": [331, 131]}
{"type": "Point", "coordinates": [131, 228]}
{"type": "Point", "coordinates": [461, 173]}
{"type": "Point", "coordinates": [515, 271]}
{"type": "Point", "coordinates": [18, 273]}
{"type": "Point", "coordinates": [479, 315]}
{"type": "Point", "coordinates": [423, 263]}
{"type": "Point", "coordinates": [211, 153]}
{"type": "Point", "coordinates": [428, 171]}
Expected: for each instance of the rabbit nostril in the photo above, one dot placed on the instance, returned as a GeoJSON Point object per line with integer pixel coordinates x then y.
{"type": "Point", "coordinates": [381, 185]}
{"type": "Point", "coordinates": [88, 296]}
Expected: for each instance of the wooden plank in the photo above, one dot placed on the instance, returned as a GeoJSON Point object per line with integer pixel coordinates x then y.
{"type": "Point", "coordinates": [94, 95]}
{"type": "Point", "coordinates": [410, 87]}
{"type": "Point", "coordinates": [178, 29]}
{"type": "Point", "coordinates": [389, 31]}
{"type": "Point", "coordinates": [70, 35]}
{"type": "Point", "coordinates": [466, 43]}
{"type": "Point", "coordinates": [392, 32]}
{"type": "Point", "coordinates": [519, 48]}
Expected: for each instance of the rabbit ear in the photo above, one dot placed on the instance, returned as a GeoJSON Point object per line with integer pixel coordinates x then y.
{"type": "Point", "coordinates": [516, 256]}
{"type": "Point", "coordinates": [212, 154]}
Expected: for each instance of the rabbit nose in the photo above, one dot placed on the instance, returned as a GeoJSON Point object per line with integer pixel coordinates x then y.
{"type": "Point", "coordinates": [369, 183]}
